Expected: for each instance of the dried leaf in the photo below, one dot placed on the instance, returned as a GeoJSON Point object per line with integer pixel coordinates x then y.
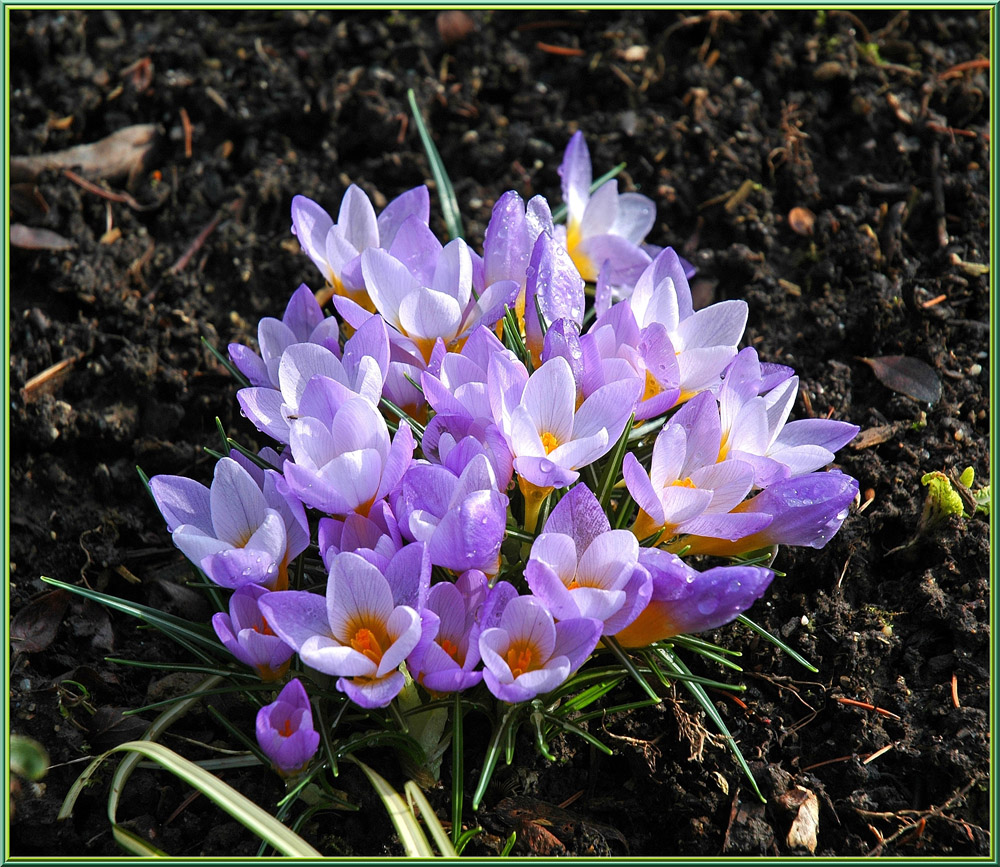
{"type": "Point", "coordinates": [32, 238]}
{"type": "Point", "coordinates": [122, 153]}
{"type": "Point", "coordinates": [805, 825]}
{"type": "Point", "coordinates": [109, 727]}
{"type": "Point", "coordinates": [909, 376]}
{"type": "Point", "coordinates": [34, 627]}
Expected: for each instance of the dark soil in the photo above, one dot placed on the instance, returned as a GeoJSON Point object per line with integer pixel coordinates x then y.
{"type": "Point", "coordinates": [876, 122]}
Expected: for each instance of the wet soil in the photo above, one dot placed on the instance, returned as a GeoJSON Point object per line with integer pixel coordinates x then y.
{"type": "Point", "coordinates": [876, 123]}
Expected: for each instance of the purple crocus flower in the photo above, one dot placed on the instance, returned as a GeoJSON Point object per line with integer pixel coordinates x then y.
{"type": "Point", "coordinates": [606, 226]}
{"type": "Point", "coordinates": [754, 428]}
{"type": "Point", "coordinates": [378, 531]}
{"type": "Point", "coordinates": [359, 634]}
{"type": "Point", "coordinates": [229, 530]}
{"type": "Point", "coordinates": [346, 463]}
{"type": "Point", "coordinates": [335, 248]}
{"type": "Point", "coordinates": [580, 567]}
{"type": "Point", "coordinates": [685, 600]}
{"type": "Point", "coordinates": [311, 378]}
{"type": "Point", "coordinates": [529, 654]}
{"type": "Point", "coordinates": [303, 322]}
{"type": "Point", "coordinates": [553, 286]}
{"type": "Point", "coordinates": [549, 437]}
{"type": "Point", "coordinates": [448, 651]}
{"type": "Point", "coordinates": [461, 518]}
{"type": "Point", "coordinates": [245, 634]}
{"type": "Point", "coordinates": [454, 440]}
{"type": "Point", "coordinates": [614, 347]}
{"type": "Point", "coordinates": [803, 510]}
{"type": "Point", "coordinates": [509, 240]}
{"type": "Point", "coordinates": [428, 298]}
{"type": "Point", "coordinates": [687, 489]}
{"type": "Point", "coordinates": [704, 340]}
{"type": "Point", "coordinates": [285, 730]}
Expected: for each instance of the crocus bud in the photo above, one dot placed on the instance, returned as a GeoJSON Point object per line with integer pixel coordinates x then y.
{"type": "Point", "coordinates": [285, 730]}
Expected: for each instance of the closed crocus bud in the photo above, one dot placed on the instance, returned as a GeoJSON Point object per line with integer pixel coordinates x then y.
{"type": "Point", "coordinates": [285, 730]}
{"type": "Point", "coordinates": [246, 635]}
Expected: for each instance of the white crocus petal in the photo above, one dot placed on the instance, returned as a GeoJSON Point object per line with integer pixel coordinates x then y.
{"type": "Point", "coordinates": [238, 505]}
{"type": "Point", "coordinates": [549, 398]}
{"type": "Point", "coordinates": [311, 443]}
{"type": "Point", "coordinates": [388, 282]}
{"type": "Point", "coordinates": [356, 593]}
{"type": "Point", "coordinates": [493, 646]}
{"type": "Point", "coordinates": [557, 551]}
{"type": "Point", "coordinates": [357, 219]}
{"type": "Point", "coordinates": [636, 216]}
{"type": "Point", "coordinates": [669, 450]}
{"type": "Point", "coordinates": [528, 622]}
{"type": "Point", "coordinates": [681, 503]}
{"type": "Point", "coordinates": [719, 324]}
{"type": "Point", "coordinates": [354, 476]}
{"type": "Point", "coordinates": [339, 251]}
{"type": "Point", "coordinates": [326, 655]}
{"type": "Point", "coordinates": [453, 273]}
{"type": "Point", "coordinates": [601, 211]}
{"type": "Point", "coordinates": [403, 628]}
{"type": "Point", "coordinates": [270, 536]}
{"type": "Point", "coordinates": [729, 482]}
{"type": "Point", "coordinates": [779, 402]}
{"type": "Point", "coordinates": [426, 314]}
{"type": "Point", "coordinates": [300, 363]}
{"type": "Point", "coordinates": [358, 425]}
{"type": "Point", "coordinates": [608, 561]}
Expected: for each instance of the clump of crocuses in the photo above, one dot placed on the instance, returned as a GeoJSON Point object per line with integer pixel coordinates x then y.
{"type": "Point", "coordinates": [499, 472]}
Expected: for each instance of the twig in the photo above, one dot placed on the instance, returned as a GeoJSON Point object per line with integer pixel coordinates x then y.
{"type": "Point", "coordinates": [123, 198]}
{"type": "Point", "coordinates": [188, 132]}
{"type": "Point", "coordinates": [199, 242]}
{"type": "Point", "coordinates": [560, 50]}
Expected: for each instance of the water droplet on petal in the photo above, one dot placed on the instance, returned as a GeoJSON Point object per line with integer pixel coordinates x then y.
{"type": "Point", "coordinates": [708, 605]}
{"type": "Point", "coordinates": [546, 466]}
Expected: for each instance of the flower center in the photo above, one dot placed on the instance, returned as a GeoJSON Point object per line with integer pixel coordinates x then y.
{"type": "Point", "coordinates": [365, 642]}
{"type": "Point", "coordinates": [264, 628]}
{"type": "Point", "coordinates": [520, 658]}
{"type": "Point", "coordinates": [683, 483]}
{"type": "Point", "coordinates": [449, 648]}
{"type": "Point", "coordinates": [286, 728]}
{"type": "Point", "coordinates": [653, 387]}
{"type": "Point", "coordinates": [549, 442]}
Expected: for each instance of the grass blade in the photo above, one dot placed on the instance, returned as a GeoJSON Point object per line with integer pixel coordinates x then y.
{"type": "Point", "coordinates": [411, 835]}
{"type": "Point", "coordinates": [446, 192]}
{"type": "Point", "coordinates": [245, 811]}
{"type": "Point", "coordinates": [613, 466]}
{"type": "Point", "coordinates": [416, 798]}
{"type": "Point", "coordinates": [777, 642]}
{"type": "Point", "coordinates": [679, 668]}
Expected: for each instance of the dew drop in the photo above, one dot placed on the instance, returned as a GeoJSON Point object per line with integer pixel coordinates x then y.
{"type": "Point", "coordinates": [546, 466]}
{"type": "Point", "coordinates": [708, 605]}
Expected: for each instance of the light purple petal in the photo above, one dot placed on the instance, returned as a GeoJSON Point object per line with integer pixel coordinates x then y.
{"type": "Point", "coordinates": [183, 501]}
{"type": "Point", "coordinates": [415, 202]}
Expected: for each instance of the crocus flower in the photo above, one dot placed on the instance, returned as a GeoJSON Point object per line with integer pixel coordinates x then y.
{"type": "Point", "coordinates": [448, 652]}
{"type": "Point", "coordinates": [335, 247]}
{"type": "Point", "coordinates": [510, 239]}
{"type": "Point", "coordinates": [377, 531]}
{"type": "Point", "coordinates": [687, 489]}
{"type": "Point", "coordinates": [754, 428]}
{"type": "Point", "coordinates": [228, 530]}
{"type": "Point", "coordinates": [604, 226]}
{"type": "Point", "coordinates": [285, 730]}
{"type": "Point", "coordinates": [359, 633]}
{"type": "Point", "coordinates": [461, 518]}
{"type": "Point", "coordinates": [311, 378]}
{"type": "Point", "coordinates": [803, 510]}
{"type": "Point", "coordinates": [529, 654]}
{"type": "Point", "coordinates": [454, 440]}
{"type": "Point", "coordinates": [431, 304]}
{"type": "Point", "coordinates": [303, 322]}
{"type": "Point", "coordinates": [552, 286]}
{"type": "Point", "coordinates": [685, 600]}
{"type": "Point", "coordinates": [346, 463]}
{"type": "Point", "coordinates": [580, 567]}
{"type": "Point", "coordinates": [704, 340]}
{"type": "Point", "coordinates": [549, 438]}
{"type": "Point", "coordinates": [245, 634]}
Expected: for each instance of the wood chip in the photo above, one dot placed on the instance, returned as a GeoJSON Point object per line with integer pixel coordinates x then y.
{"type": "Point", "coordinates": [874, 436]}
{"type": "Point", "coordinates": [33, 238]}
